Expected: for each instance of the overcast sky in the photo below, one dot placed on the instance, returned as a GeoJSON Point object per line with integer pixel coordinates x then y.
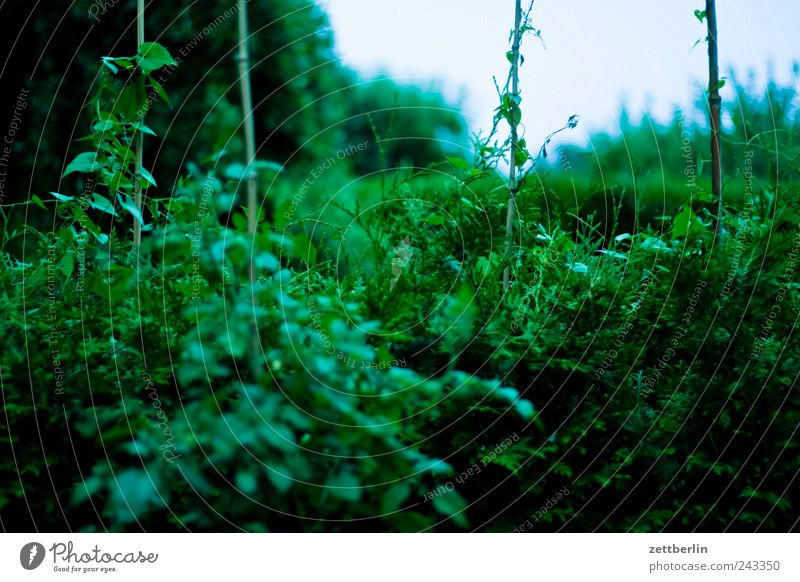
{"type": "Point", "coordinates": [598, 55]}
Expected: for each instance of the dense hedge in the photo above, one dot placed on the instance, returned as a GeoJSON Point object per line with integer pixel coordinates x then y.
{"type": "Point", "coordinates": [373, 374]}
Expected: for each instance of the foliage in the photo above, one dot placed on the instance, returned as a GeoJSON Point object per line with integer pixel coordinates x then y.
{"type": "Point", "coordinates": [374, 375]}
{"type": "Point", "coordinates": [304, 94]}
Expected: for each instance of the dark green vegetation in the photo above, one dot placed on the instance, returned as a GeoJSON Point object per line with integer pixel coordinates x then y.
{"type": "Point", "coordinates": [645, 381]}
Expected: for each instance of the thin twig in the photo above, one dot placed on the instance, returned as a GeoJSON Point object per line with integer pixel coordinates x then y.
{"type": "Point", "coordinates": [512, 176]}
{"type": "Point", "coordinates": [714, 102]}
{"type": "Point", "coordinates": [137, 227]}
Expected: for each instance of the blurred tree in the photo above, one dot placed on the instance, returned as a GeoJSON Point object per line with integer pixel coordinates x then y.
{"type": "Point", "coordinates": [307, 105]}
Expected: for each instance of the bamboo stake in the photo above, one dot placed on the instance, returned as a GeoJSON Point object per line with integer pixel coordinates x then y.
{"type": "Point", "coordinates": [714, 102]}
{"type": "Point", "coordinates": [247, 111]}
{"type": "Point", "coordinates": [250, 153]}
{"type": "Point", "coordinates": [137, 227]}
{"type": "Point", "coordinates": [512, 174]}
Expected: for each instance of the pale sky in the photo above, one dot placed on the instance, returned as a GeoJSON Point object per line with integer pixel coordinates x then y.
{"type": "Point", "coordinates": [598, 54]}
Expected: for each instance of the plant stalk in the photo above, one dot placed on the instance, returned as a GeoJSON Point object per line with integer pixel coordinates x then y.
{"type": "Point", "coordinates": [714, 104]}
{"type": "Point", "coordinates": [137, 227]}
{"type": "Point", "coordinates": [512, 173]}
{"type": "Point", "coordinates": [250, 153]}
{"type": "Point", "coordinates": [248, 120]}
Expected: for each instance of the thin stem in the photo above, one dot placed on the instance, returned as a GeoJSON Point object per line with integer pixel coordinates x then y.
{"type": "Point", "coordinates": [247, 112]}
{"type": "Point", "coordinates": [137, 227]}
{"type": "Point", "coordinates": [714, 102]}
{"type": "Point", "coordinates": [512, 175]}
{"type": "Point", "coordinates": [250, 153]}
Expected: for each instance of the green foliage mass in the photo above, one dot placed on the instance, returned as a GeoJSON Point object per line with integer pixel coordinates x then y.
{"type": "Point", "coordinates": [372, 374]}
{"type": "Point", "coordinates": [307, 104]}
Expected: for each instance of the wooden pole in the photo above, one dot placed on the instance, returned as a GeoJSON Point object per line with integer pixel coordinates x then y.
{"type": "Point", "coordinates": [247, 112]}
{"type": "Point", "coordinates": [512, 173]}
{"type": "Point", "coordinates": [137, 227]}
{"type": "Point", "coordinates": [250, 153]}
{"type": "Point", "coordinates": [714, 103]}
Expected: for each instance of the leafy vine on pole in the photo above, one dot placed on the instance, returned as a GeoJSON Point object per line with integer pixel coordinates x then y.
{"type": "Point", "coordinates": [250, 173]}
{"type": "Point", "coordinates": [514, 118]}
{"type": "Point", "coordinates": [714, 103]}
{"type": "Point", "coordinates": [137, 226]}
{"type": "Point", "coordinates": [490, 152]}
{"type": "Point", "coordinates": [247, 112]}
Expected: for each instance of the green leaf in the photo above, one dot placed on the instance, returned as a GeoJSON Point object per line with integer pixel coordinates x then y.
{"type": "Point", "coordinates": [84, 220]}
{"type": "Point", "coordinates": [578, 267]}
{"type": "Point", "coordinates": [67, 264]}
{"type": "Point", "coordinates": [130, 99]}
{"type": "Point", "coordinates": [144, 129]}
{"type": "Point", "coordinates": [279, 477]}
{"type": "Point", "coordinates": [132, 494]}
{"type": "Point", "coordinates": [452, 505]}
{"type": "Point", "coordinates": [345, 486]}
{"type": "Point", "coordinates": [685, 223]}
{"type": "Point", "coordinates": [108, 63]}
{"type": "Point", "coordinates": [235, 171]}
{"type": "Point", "coordinates": [268, 165]}
{"type": "Point", "coordinates": [86, 489]}
{"type": "Point", "coordinates": [435, 219]}
{"type": "Point", "coordinates": [153, 56]}
{"type": "Point", "coordinates": [700, 15]}
{"type": "Point", "coordinates": [117, 288]}
{"type": "Point", "coordinates": [525, 409]}
{"type": "Point", "coordinates": [304, 249]}
{"type": "Point", "coordinates": [85, 162]}
{"type": "Point", "coordinates": [128, 205]}
{"type": "Point", "coordinates": [239, 221]}
{"type": "Point", "coordinates": [159, 90]}
{"type": "Point", "coordinates": [521, 155]}
{"type": "Point", "coordinates": [394, 497]}
{"type": "Point", "coordinates": [102, 126]}
{"type": "Point", "coordinates": [38, 201]}
{"type": "Point", "coordinates": [112, 62]}
{"type": "Point", "coordinates": [103, 204]}
{"type": "Point", "coordinates": [246, 482]}
{"type": "Point", "coordinates": [61, 197]}
{"type": "Point", "coordinates": [434, 466]}
{"type": "Point", "coordinates": [147, 176]}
